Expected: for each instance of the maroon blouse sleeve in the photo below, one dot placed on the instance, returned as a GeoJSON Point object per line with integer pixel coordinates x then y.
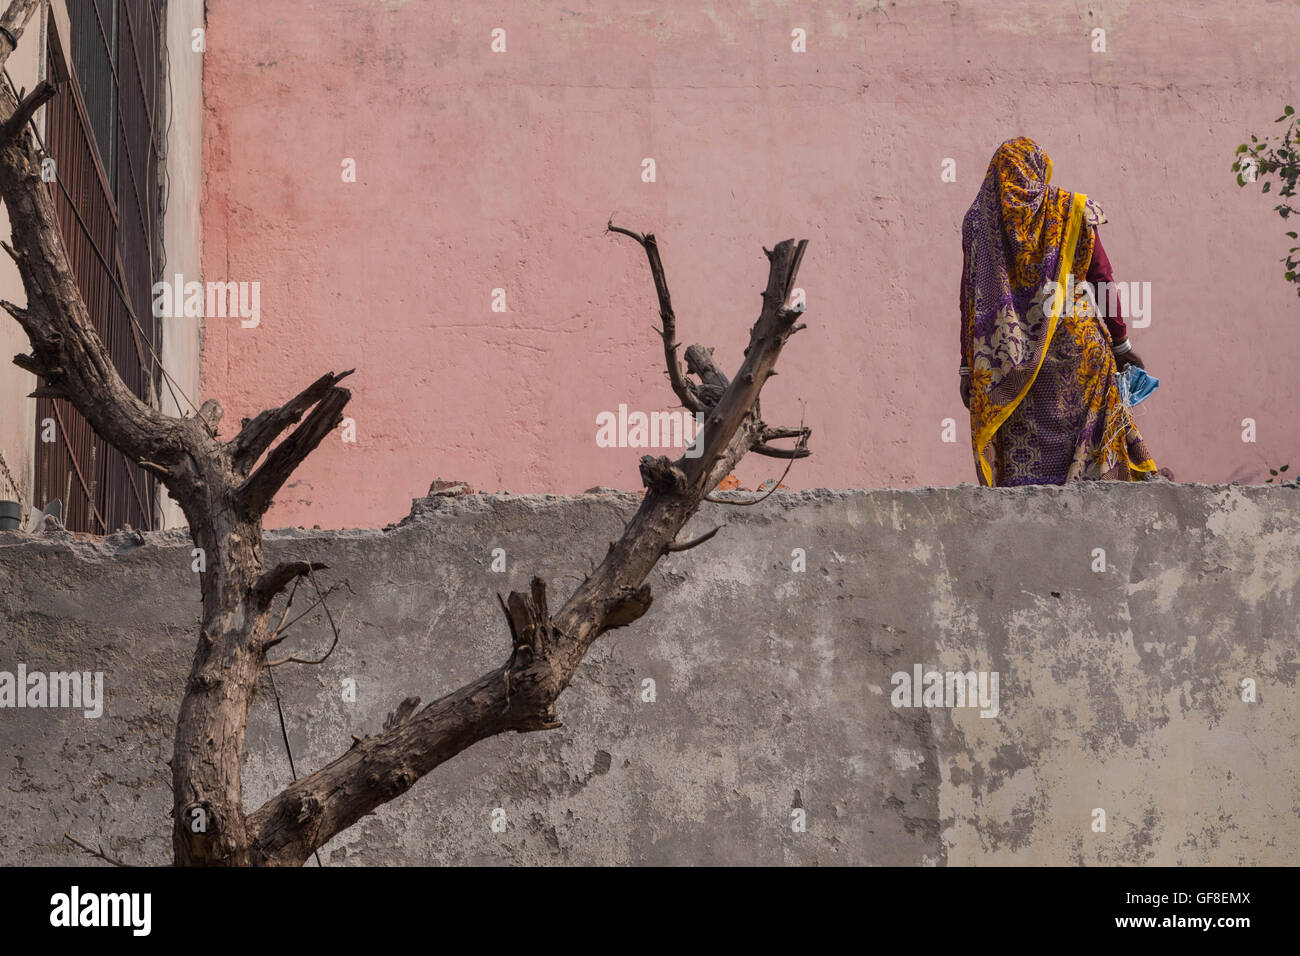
{"type": "Point", "coordinates": [961, 311]}
{"type": "Point", "coordinates": [1099, 271]}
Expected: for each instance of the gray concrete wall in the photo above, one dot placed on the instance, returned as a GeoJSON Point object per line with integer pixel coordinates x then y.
{"type": "Point", "coordinates": [1119, 689]}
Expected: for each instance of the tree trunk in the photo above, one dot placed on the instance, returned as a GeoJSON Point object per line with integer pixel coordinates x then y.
{"type": "Point", "coordinates": [208, 812]}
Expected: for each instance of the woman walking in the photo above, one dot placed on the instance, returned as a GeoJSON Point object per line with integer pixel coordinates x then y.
{"type": "Point", "coordinates": [1038, 363]}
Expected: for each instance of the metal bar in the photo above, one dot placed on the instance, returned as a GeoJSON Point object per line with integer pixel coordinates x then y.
{"type": "Point", "coordinates": [76, 467]}
{"type": "Point", "coordinates": [139, 70]}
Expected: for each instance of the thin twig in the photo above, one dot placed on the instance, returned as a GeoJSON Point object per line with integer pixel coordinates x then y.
{"type": "Point", "coordinates": [99, 853]}
{"type": "Point", "coordinates": [334, 627]}
{"type": "Point", "coordinates": [798, 445]}
{"type": "Point", "coordinates": [673, 546]}
{"type": "Point", "coordinates": [276, 637]}
{"type": "Point", "coordinates": [681, 387]}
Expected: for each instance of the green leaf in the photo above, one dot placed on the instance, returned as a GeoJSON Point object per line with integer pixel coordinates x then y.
{"type": "Point", "coordinates": [1292, 235]}
{"type": "Point", "coordinates": [1266, 185]}
{"type": "Point", "coordinates": [1272, 471]}
{"type": "Point", "coordinates": [1241, 148]}
{"type": "Point", "coordinates": [1288, 111]}
{"type": "Point", "coordinates": [1284, 468]}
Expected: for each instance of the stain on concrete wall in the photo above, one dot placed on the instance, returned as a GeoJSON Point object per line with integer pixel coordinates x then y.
{"type": "Point", "coordinates": [1120, 683]}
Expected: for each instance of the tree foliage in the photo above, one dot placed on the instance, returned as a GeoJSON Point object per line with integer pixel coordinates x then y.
{"type": "Point", "coordinates": [1275, 160]}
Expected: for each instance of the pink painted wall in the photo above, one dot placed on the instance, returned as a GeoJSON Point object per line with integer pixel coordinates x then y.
{"type": "Point", "coordinates": [479, 170]}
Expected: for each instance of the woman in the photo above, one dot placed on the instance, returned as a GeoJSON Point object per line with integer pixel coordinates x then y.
{"type": "Point", "coordinates": [1037, 364]}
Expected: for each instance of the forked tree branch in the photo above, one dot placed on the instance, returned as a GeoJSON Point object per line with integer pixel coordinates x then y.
{"type": "Point", "coordinates": [256, 493]}
{"type": "Point", "coordinates": [545, 649]}
{"type": "Point", "coordinates": [800, 450]}
{"type": "Point", "coordinates": [258, 434]}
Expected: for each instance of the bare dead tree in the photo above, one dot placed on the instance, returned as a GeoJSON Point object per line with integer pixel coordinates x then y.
{"type": "Point", "coordinates": [226, 487]}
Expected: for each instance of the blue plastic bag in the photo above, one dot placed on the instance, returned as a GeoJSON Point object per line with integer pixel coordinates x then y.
{"type": "Point", "coordinates": [1135, 385]}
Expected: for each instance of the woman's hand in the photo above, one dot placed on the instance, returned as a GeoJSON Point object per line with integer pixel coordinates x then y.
{"type": "Point", "coordinates": [1129, 358]}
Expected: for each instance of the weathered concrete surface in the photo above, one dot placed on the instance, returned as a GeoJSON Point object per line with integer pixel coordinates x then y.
{"type": "Point", "coordinates": [1119, 690]}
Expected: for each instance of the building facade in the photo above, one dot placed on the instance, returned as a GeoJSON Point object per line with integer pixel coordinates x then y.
{"type": "Point", "coordinates": [120, 154]}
